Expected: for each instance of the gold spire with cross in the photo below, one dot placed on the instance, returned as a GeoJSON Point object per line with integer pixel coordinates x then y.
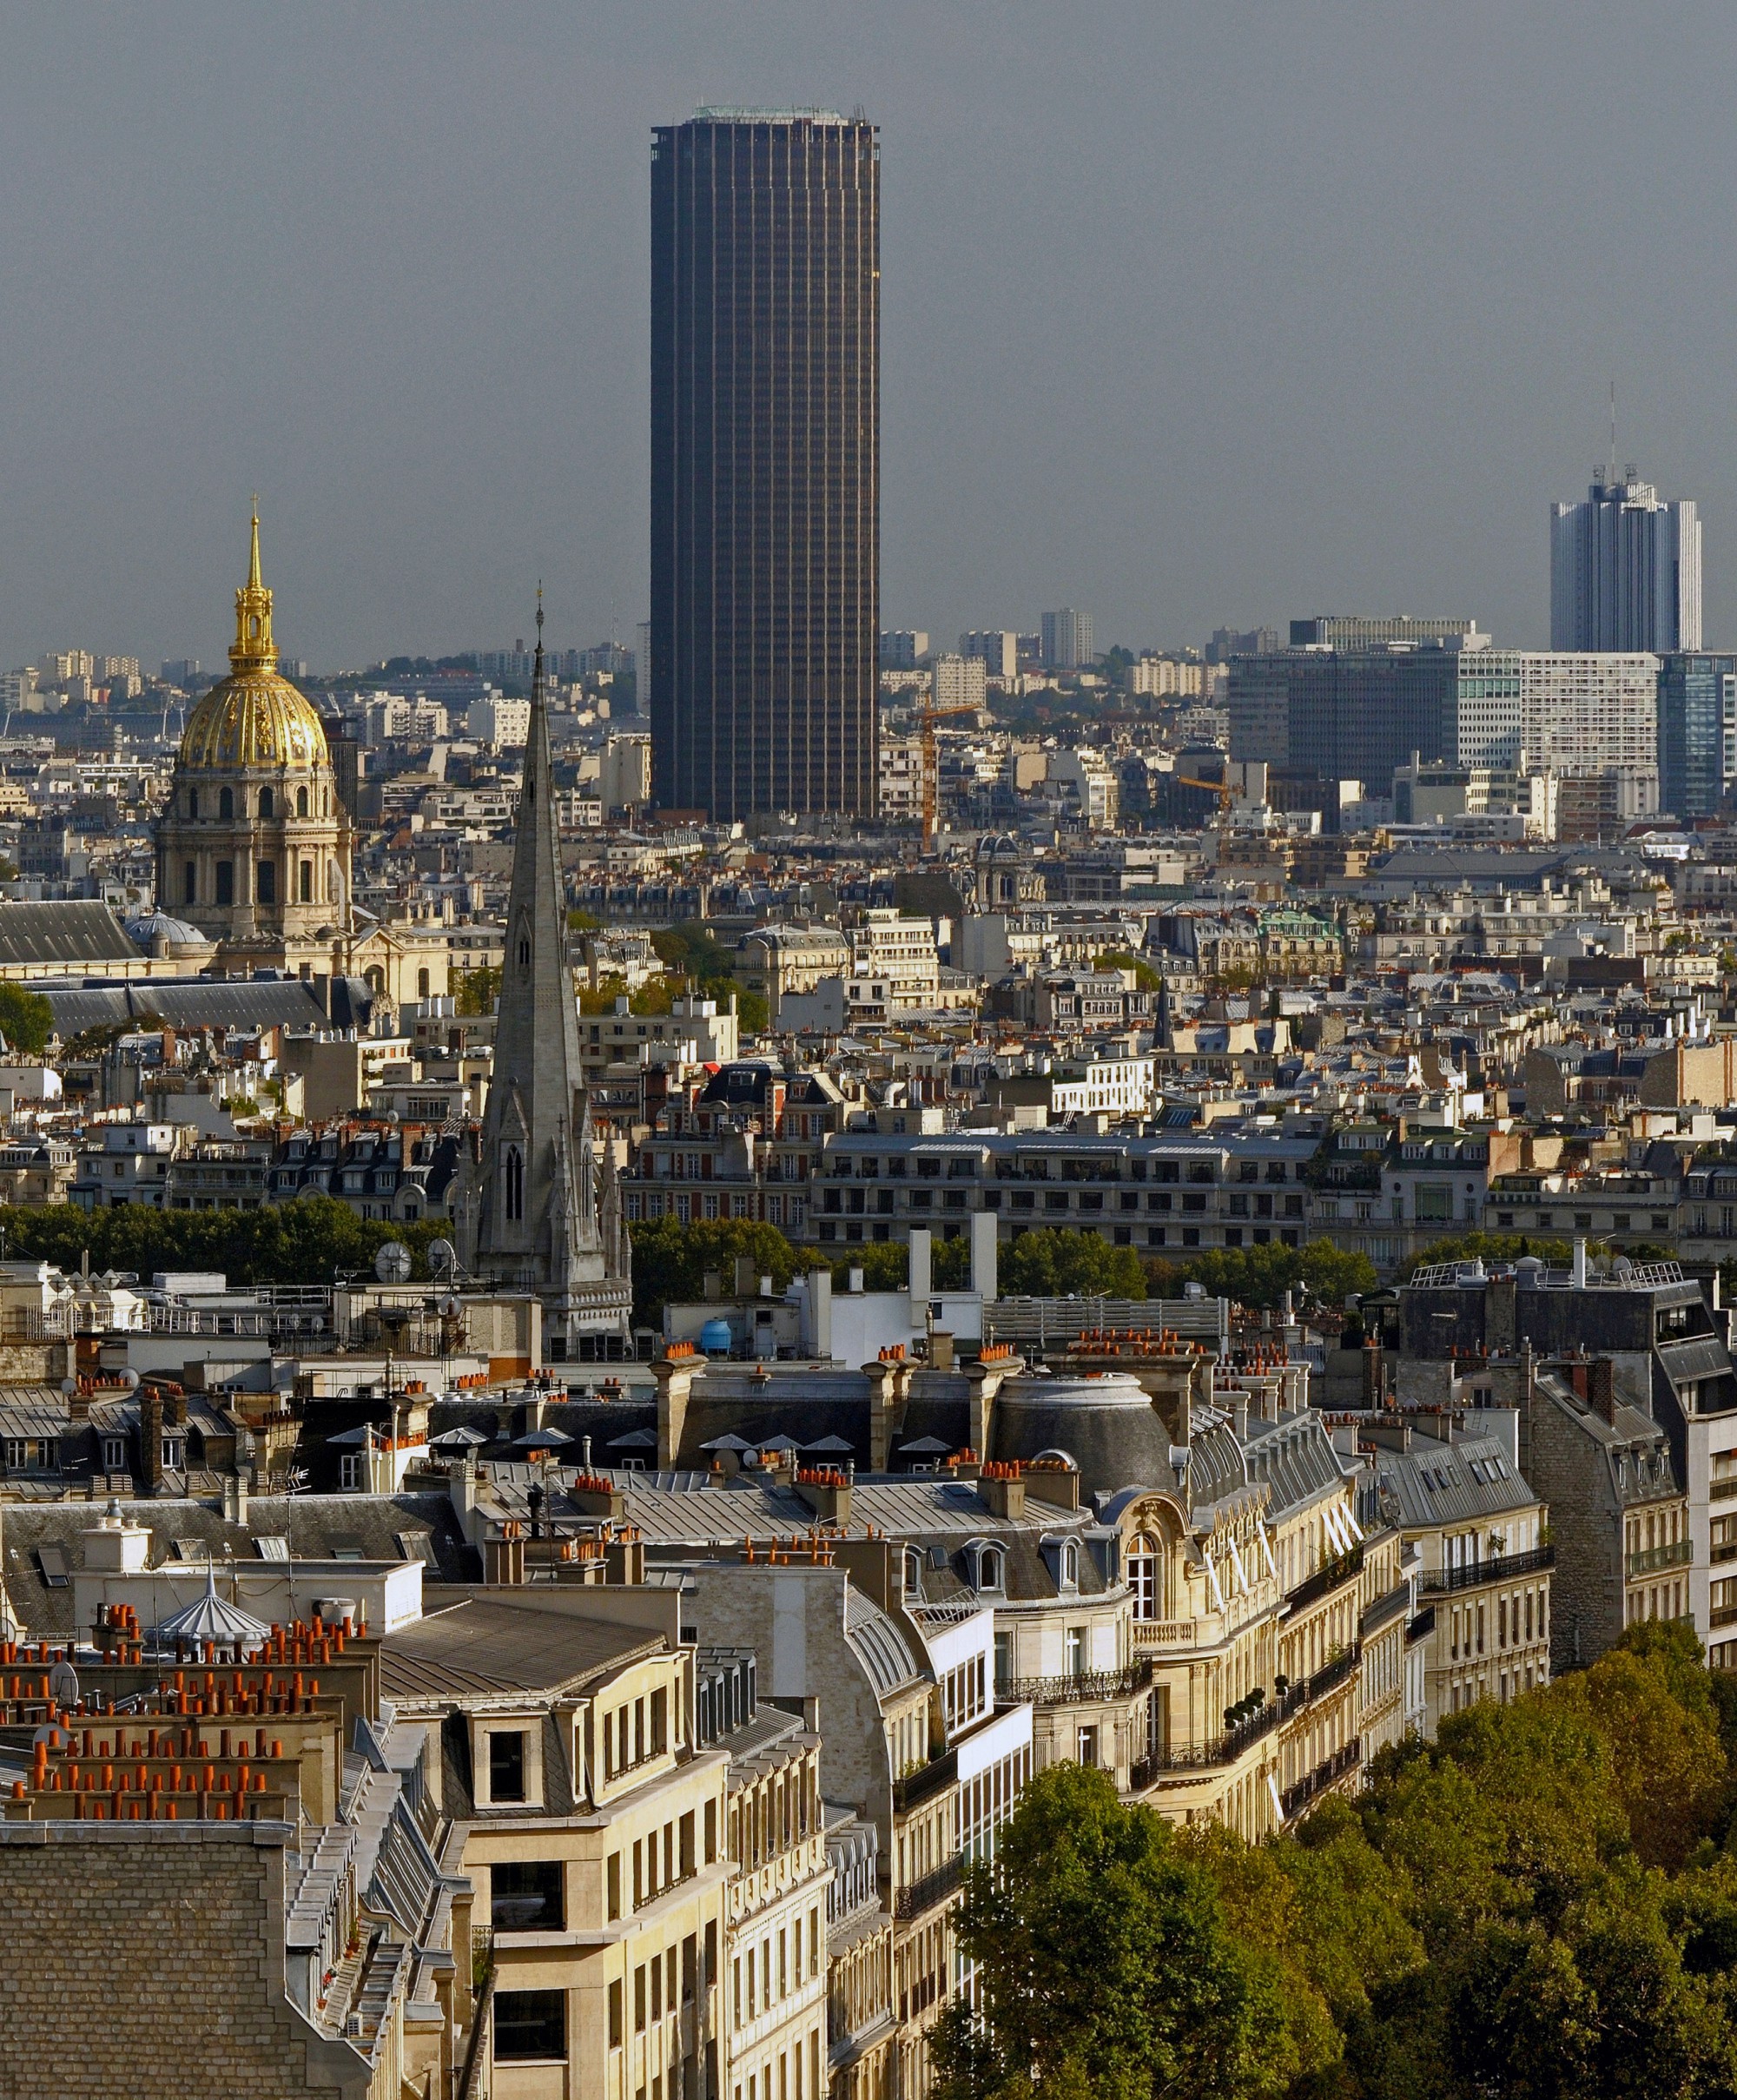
{"type": "Point", "coordinates": [253, 648]}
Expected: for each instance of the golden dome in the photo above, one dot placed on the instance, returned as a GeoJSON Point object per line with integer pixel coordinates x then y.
{"type": "Point", "coordinates": [252, 717]}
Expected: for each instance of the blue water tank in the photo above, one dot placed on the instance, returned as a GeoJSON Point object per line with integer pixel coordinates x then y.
{"type": "Point", "coordinates": [715, 1338]}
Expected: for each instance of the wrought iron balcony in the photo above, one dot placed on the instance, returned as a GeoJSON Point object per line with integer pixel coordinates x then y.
{"type": "Point", "coordinates": [918, 1895]}
{"type": "Point", "coordinates": [1500, 1567]}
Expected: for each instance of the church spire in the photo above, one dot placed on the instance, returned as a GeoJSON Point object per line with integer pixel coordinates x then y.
{"type": "Point", "coordinates": [531, 1210]}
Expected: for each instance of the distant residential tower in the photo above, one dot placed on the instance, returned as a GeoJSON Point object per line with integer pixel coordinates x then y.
{"type": "Point", "coordinates": [765, 461]}
{"type": "Point", "coordinates": [1066, 639]}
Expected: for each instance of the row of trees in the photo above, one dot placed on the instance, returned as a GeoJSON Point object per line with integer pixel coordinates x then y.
{"type": "Point", "coordinates": [671, 1261]}
{"type": "Point", "coordinates": [308, 1241]}
{"type": "Point", "coordinates": [1540, 1905]}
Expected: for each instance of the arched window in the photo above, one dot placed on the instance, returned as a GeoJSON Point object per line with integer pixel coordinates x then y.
{"type": "Point", "coordinates": [226, 802]}
{"type": "Point", "coordinates": [1070, 1564]}
{"type": "Point", "coordinates": [301, 801]}
{"type": "Point", "coordinates": [992, 1565]}
{"type": "Point", "coordinates": [307, 882]}
{"type": "Point", "coordinates": [193, 802]}
{"type": "Point", "coordinates": [1145, 1576]}
{"type": "Point", "coordinates": [268, 802]}
{"type": "Point", "coordinates": [913, 1573]}
{"type": "Point", "coordinates": [523, 954]}
{"type": "Point", "coordinates": [513, 1181]}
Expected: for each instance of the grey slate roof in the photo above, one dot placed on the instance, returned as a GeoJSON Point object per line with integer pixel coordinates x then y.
{"type": "Point", "coordinates": [186, 1003]}
{"type": "Point", "coordinates": [477, 1644]}
{"type": "Point", "coordinates": [76, 931]}
{"type": "Point", "coordinates": [878, 1644]}
{"type": "Point", "coordinates": [1436, 1483]}
{"type": "Point", "coordinates": [318, 1527]}
{"type": "Point", "coordinates": [1296, 1458]}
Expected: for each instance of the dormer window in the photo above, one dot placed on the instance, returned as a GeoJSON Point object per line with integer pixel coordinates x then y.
{"type": "Point", "coordinates": [913, 1573]}
{"type": "Point", "coordinates": [989, 1569]}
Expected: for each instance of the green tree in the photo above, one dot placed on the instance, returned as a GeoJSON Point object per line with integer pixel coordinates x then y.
{"type": "Point", "coordinates": [307, 1241]}
{"type": "Point", "coordinates": [476, 991]}
{"type": "Point", "coordinates": [1105, 1964]}
{"type": "Point", "coordinates": [1261, 1276]}
{"type": "Point", "coordinates": [671, 1260]}
{"type": "Point", "coordinates": [1145, 977]}
{"type": "Point", "coordinates": [26, 1019]}
{"type": "Point", "coordinates": [1057, 1262]}
{"type": "Point", "coordinates": [1490, 1247]}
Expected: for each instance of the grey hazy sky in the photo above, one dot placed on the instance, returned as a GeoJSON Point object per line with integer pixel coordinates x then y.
{"type": "Point", "coordinates": [1193, 314]}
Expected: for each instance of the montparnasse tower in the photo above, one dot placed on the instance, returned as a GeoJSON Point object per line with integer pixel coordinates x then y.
{"type": "Point", "coordinates": [253, 845]}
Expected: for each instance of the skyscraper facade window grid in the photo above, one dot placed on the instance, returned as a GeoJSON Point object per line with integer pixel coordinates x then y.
{"type": "Point", "coordinates": [1625, 568]}
{"type": "Point", "coordinates": [765, 462]}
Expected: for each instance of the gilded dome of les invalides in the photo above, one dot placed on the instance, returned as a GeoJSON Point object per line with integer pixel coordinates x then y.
{"type": "Point", "coordinates": [252, 717]}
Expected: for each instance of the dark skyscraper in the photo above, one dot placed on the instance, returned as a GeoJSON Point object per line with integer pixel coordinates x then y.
{"type": "Point", "coordinates": [765, 461]}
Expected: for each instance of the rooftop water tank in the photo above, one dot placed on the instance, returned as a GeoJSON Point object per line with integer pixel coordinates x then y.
{"type": "Point", "coordinates": [715, 1338]}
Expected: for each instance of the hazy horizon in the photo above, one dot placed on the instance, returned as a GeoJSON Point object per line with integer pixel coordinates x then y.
{"type": "Point", "coordinates": [1199, 316]}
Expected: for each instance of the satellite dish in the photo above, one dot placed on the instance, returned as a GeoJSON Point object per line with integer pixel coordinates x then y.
{"type": "Point", "coordinates": [392, 1263]}
{"type": "Point", "coordinates": [443, 1258]}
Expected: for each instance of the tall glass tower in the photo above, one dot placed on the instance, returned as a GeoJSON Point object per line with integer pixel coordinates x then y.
{"type": "Point", "coordinates": [765, 462]}
{"type": "Point", "coordinates": [1625, 568]}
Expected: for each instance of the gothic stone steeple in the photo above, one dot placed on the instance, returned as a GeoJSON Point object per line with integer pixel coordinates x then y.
{"type": "Point", "coordinates": [529, 1212]}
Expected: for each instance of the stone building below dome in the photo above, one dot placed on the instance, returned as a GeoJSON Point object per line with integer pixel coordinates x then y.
{"type": "Point", "coordinates": [253, 844]}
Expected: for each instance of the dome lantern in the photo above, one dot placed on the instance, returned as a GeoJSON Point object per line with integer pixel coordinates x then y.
{"type": "Point", "coordinates": [255, 718]}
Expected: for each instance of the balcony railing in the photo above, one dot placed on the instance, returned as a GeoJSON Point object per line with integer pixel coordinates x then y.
{"type": "Point", "coordinates": [1500, 1567]}
{"type": "Point", "coordinates": [927, 1780]}
{"type": "Point", "coordinates": [1651, 1559]}
{"type": "Point", "coordinates": [1722, 1490]}
{"type": "Point", "coordinates": [1080, 1687]}
{"type": "Point", "coordinates": [1325, 1580]}
{"type": "Point", "coordinates": [1332, 1674]}
{"type": "Point", "coordinates": [918, 1895]}
{"type": "Point", "coordinates": [1230, 1745]}
{"type": "Point", "coordinates": [1165, 1633]}
{"type": "Point", "coordinates": [1422, 1626]}
{"type": "Point", "coordinates": [1312, 1783]}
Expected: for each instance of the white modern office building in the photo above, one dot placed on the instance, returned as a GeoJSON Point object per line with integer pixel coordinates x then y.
{"type": "Point", "coordinates": [1625, 568]}
{"type": "Point", "coordinates": [1570, 711]}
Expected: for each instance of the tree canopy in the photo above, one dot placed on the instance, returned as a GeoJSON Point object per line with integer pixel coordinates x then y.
{"type": "Point", "coordinates": [1055, 1261]}
{"type": "Point", "coordinates": [308, 1241]}
{"type": "Point", "coordinates": [26, 1019]}
{"type": "Point", "coordinates": [1261, 1276]}
{"type": "Point", "coordinates": [1540, 1905]}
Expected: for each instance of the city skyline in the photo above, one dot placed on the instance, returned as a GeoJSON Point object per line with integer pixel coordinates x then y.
{"type": "Point", "coordinates": [1138, 379]}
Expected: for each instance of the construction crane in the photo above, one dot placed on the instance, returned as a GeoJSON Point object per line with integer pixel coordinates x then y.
{"type": "Point", "coordinates": [926, 718]}
{"type": "Point", "coordinates": [1222, 788]}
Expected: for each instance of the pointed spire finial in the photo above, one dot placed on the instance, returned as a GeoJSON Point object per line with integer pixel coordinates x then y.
{"type": "Point", "coordinates": [253, 648]}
